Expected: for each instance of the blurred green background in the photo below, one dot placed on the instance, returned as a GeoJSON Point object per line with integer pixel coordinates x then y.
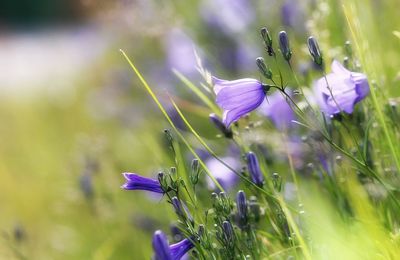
{"type": "Point", "coordinates": [74, 116]}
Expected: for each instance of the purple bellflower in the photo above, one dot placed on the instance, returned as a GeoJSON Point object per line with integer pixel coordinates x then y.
{"type": "Point", "coordinates": [164, 251]}
{"type": "Point", "coordinates": [238, 97]}
{"type": "Point", "coordinates": [137, 182]}
{"type": "Point", "coordinates": [346, 89]}
{"type": "Point", "coordinates": [277, 109]}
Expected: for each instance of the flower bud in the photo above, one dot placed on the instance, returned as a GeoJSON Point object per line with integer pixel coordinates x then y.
{"type": "Point", "coordinates": [254, 169]}
{"type": "Point", "coordinates": [194, 174]}
{"type": "Point", "coordinates": [163, 181]}
{"type": "Point", "coordinates": [241, 204]}
{"type": "Point", "coordinates": [267, 41]}
{"type": "Point", "coordinates": [227, 132]}
{"type": "Point", "coordinates": [315, 51]}
{"type": "Point", "coordinates": [267, 73]}
{"type": "Point", "coordinates": [178, 207]}
{"type": "Point", "coordinates": [277, 181]}
{"type": "Point", "coordinates": [284, 45]}
{"type": "Point", "coordinates": [229, 233]}
{"type": "Point", "coordinates": [169, 139]}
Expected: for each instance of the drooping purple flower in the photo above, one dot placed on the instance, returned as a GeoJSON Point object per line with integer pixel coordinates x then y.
{"type": "Point", "coordinates": [137, 182]}
{"type": "Point", "coordinates": [347, 87]}
{"type": "Point", "coordinates": [161, 246]}
{"type": "Point", "coordinates": [179, 249]}
{"type": "Point", "coordinates": [164, 251]}
{"type": "Point", "coordinates": [254, 169]}
{"type": "Point", "coordinates": [277, 108]}
{"type": "Point", "coordinates": [238, 97]}
{"type": "Point", "coordinates": [221, 173]}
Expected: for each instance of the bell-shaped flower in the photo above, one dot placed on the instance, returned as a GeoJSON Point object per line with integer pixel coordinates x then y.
{"type": "Point", "coordinates": [137, 182]}
{"type": "Point", "coordinates": [341, 90]}
{"type": "Point", "coordinates": [164, 251]}
{"type": "Point", "coordinates": [238, 97]}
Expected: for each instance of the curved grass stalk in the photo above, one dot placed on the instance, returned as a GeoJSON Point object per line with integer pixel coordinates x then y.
{"type": "Point", "coordinates": [154, 97]}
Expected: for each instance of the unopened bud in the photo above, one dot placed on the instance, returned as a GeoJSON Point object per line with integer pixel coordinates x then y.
{"type": "Point", "coordinates": [163, 181]}
{"type": "Point", "coordinates": [315, 51]}
{"type": "Point", "coordinates": [229, 233]}
{"type": "Point", "coordinates": [277, 181]}
{"type": "Point", "coordinates": [254, 169]}
{"type": "Point", "coordinates": [284, 45]}
{"type": "Point", "coordinates": [194, 174]}
{"type": "Point", "coordinates": [241, 204]}
{"type": "Point", "coordinates": [267, 73]}
{"type": "Point", "coordinates": [267, 41]}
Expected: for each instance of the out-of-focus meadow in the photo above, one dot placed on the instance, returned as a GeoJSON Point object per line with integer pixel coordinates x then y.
{"type": "Point", "coordinates": [74, 116]}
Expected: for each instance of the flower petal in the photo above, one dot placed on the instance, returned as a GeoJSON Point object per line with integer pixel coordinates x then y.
{"type": "Point", "coordinates": [338, 68]}
{"type": "Point", "coordinates": [233, 115]}
{"type": "Point", "coordinates": [235, 97]}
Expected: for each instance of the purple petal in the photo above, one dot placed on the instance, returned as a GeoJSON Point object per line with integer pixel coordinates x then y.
{"type": "Point", "coordinates": [233, 115]}
{"type": "Point", "coordinates": [220, 83]}
{"type": "Point", "coordinates": [137, 182]}
{"type": "Point", "coordinates": [230, 98]}
{"type": "Point", "coordinates": [161, 247]}
{"type": "Point", "coordinates": [180, 248]}
{"type": "Point", "coordinates": [338, 68]}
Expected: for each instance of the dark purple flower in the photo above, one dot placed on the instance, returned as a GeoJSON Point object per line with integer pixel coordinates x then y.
{"type": "Point", "coordinates": [179, 249]}
{"type": "Point", "coordinates": [137, 182]}
{"type": "Point", "coordinates": [238, 97]}
{"type": "Point", "coordinates": [254, 169]}
{"type": "Point", "coordinates": [164, 251]}
{"type": "Point", "coordinates": [348, 88]}
{"type": "Point", "coordinates": [161, 246]}
{"type": "Point", "coordinates": [276, 108]}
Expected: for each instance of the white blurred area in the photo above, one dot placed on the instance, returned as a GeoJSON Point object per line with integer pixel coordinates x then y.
{"type": "Point", "coordinates": [48, 60]}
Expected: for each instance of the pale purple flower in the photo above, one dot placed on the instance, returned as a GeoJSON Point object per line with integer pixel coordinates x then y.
{"type": "Point", "coordinates": [238, 97]}
{"type": "Point", "coordinates": [292, 15]}
{"type": "Point", "coordinates": [221, 173]}
{"type": "Point", "coordinates": [278, 110]}
{"type": "Point", "coordinates": [347, 87]}
{"type": "Point", "coordinates": [180, 50]}
{"type": "Point", "coordinates": [164, 251]}
{"type": "Point", "coordinates": [137, 182]}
